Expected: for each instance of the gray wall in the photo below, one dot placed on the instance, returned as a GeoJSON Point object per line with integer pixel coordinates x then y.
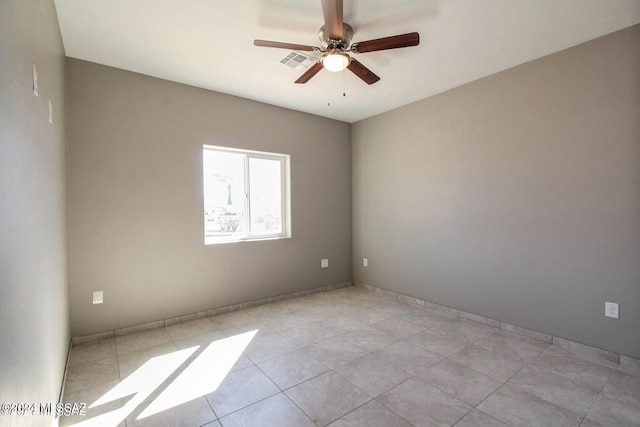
{"type": "Point", "coordinates": [516, 197]}
{"type": "Point", "coordinates": [34, 323]}
{"type": "Point", "coordinates": [136, 204]}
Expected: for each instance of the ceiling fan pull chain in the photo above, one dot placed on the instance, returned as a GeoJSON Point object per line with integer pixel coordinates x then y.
{"type": "Point", "coordinates": [328, 89]}
{"type": "Point", "coordinates": [344, 83]}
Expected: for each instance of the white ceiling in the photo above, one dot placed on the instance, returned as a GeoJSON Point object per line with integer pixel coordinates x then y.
{"type": "Point", "coordinates": [209, 44]}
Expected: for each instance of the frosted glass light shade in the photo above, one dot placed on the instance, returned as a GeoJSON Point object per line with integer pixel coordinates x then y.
{"type": "Point", "coordinates": [336, 61]}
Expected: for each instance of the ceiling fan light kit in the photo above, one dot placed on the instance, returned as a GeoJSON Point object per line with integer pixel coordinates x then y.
{"type": "Point", "coordinates": [336, 61]}
{"type": "Point", "coordinates": [335, 38]}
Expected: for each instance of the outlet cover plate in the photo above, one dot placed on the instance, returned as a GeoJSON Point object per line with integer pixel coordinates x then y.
{"type": "Point", "coordinates": [98, 297]}
{"type": "Point", "coordinates": [612, 309]}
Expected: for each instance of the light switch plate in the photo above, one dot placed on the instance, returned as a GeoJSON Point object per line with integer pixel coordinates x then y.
{"type": "Point", "coordinates": [324, 263]}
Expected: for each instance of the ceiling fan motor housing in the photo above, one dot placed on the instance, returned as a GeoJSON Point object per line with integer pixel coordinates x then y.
{"type": "Point", "coordinates": [343, 44]}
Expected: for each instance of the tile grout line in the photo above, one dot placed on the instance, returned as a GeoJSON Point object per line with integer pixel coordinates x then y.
{"type": "Point", "coordinates": [503, 383]}
{"type": "Point", "coordinates": [296, 405]}
{"type": "Point", "coordinates": [219, 419]}
{"type": "Point", "coordinates": [393, 388]}
{"type": "Point", "coordinates": [613, 371]}
{"type": "Point", "coordinates": [583, 417]}
{"type": "Point", "coordinates": [333, 370]}
{"type": "Point", "coordinates": [481, 373]}
{"type": "Point", "coordinates": [402, 317]}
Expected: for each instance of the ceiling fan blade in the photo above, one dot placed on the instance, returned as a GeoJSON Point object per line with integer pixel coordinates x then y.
{"type": "Point", "coordinates": [315, 68]}
{"type": "Point", "coordinates": [280, 45]}
{"type": "Point", "coordinates": [393, 42]}
{"type": "Point", "coordinates": [363, 72]}
{"type": "Point", "coordinates": [332, 10]}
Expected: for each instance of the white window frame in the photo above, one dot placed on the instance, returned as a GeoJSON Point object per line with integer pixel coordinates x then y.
{"type": "Point", "coordinates": [285, 193]}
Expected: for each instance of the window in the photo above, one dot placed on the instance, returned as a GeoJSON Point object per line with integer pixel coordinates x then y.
{"type": "Point", "coordinates": [246, 195]}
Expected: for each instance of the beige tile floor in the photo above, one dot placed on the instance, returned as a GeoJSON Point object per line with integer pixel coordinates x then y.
{"type": "Point", "coordinates": [344, 358]}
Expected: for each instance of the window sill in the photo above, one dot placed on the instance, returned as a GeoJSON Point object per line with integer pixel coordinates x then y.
{"type": "Point", "coordinates": [216, 241]}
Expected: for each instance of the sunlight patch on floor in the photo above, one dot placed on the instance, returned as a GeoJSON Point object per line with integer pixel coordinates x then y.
{"type": "Point", "coordinates": [203, 375]}
{"type": "Point", "coordinates": [200, 377]}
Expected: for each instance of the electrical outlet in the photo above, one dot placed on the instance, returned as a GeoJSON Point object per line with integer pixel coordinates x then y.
{"type": "Point", "coordinates": [365, 262]}
{"type": "Point", "coordinates": [98, 297]}
{"type": "Point", "coordinates": [324, 263]}
{"type": "Point", "coordinates": [612, 309]}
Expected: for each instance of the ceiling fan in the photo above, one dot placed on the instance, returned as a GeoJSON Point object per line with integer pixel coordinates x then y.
{"type": "Point", "coordinates": [335, 37]}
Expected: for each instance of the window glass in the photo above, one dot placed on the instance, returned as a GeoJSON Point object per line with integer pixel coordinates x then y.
{"type": "Point", "coordinates": [245, 195]}
{"type": "Point", "coordinates": [265, 182]}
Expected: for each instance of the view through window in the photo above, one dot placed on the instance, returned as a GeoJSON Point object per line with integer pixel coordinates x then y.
{"type": "Point", "coordinates": [246, 195]}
